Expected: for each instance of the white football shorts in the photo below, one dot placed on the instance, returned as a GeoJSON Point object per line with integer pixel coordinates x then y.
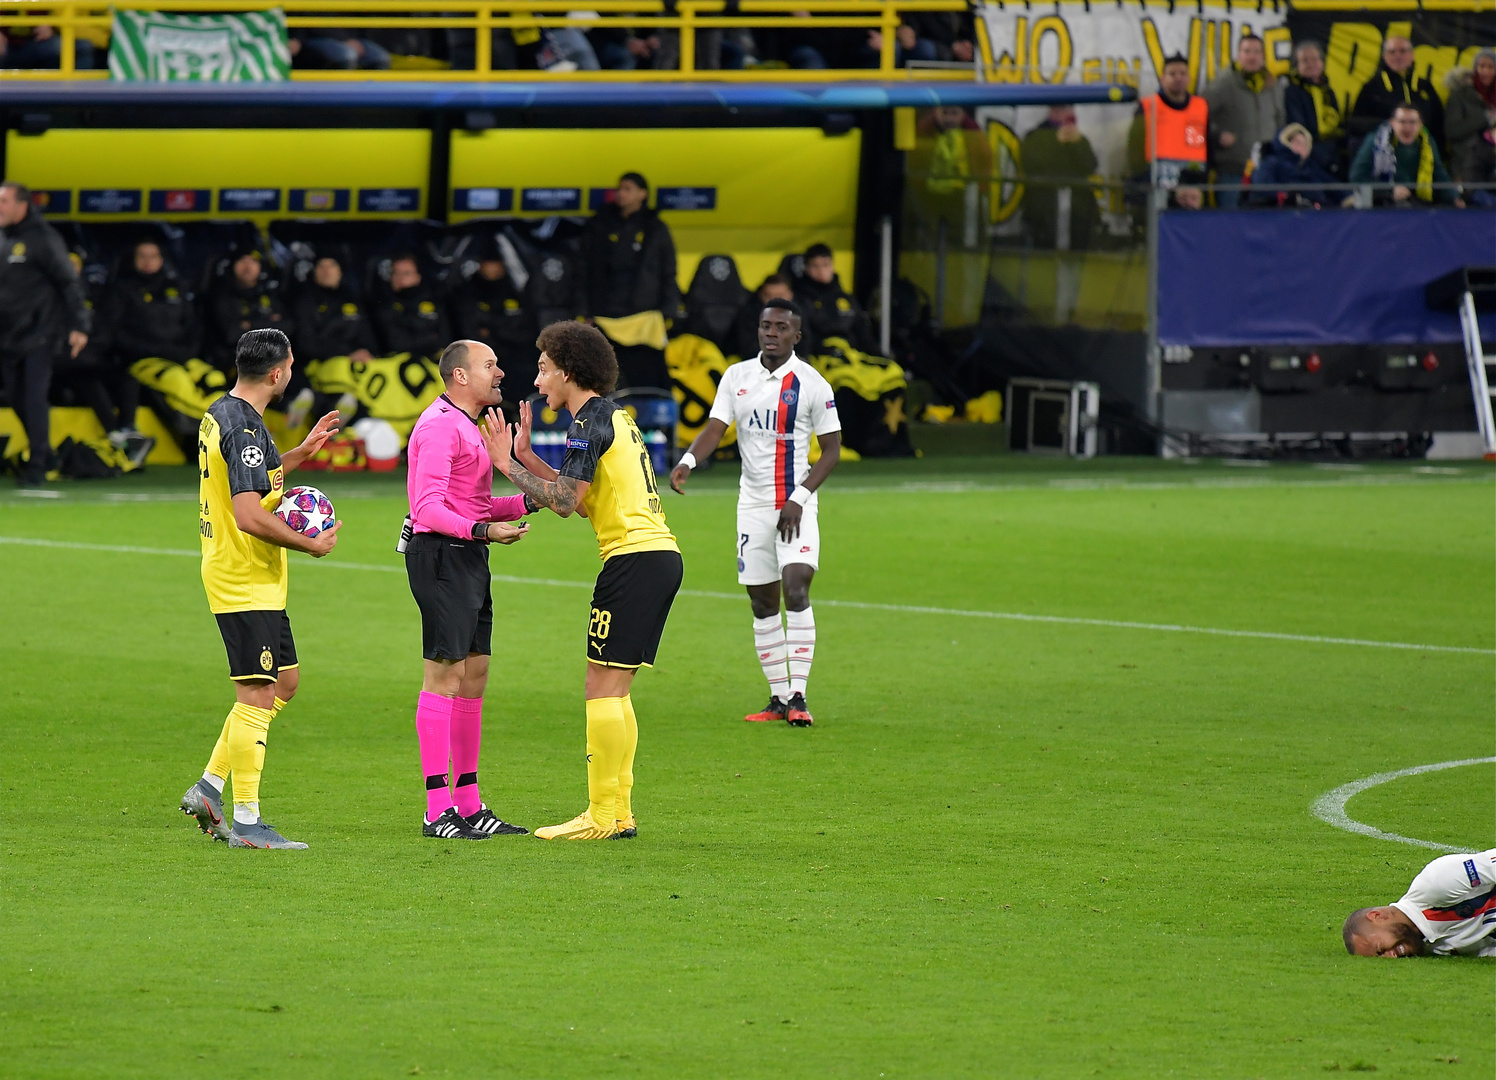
{"type": "Point", "coordinates": [762, 555]}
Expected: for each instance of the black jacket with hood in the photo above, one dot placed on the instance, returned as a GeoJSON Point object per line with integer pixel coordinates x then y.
{"type": "Point", "coordinates": [40, 299]}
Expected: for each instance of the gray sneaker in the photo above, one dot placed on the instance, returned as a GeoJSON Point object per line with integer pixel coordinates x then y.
{"type": "Point", "coordinates": [205, 803]}
{"type": "Point", "coordinates": [260, 835]}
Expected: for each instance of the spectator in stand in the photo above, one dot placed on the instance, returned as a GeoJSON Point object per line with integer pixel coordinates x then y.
{"type": "Point", "coordinates": [146, 312]}
{"type": "Point", "coordinates": [41, 47]}
{"type": "Point", "coordinates": [925, 36]}
{"type": "Point", "coordinates": [629, 48]}
{"type": "Point", "coordinates": [149, 312]}
{"type": "Point", "coordinates": [1396, 83]}
{"type": "Point", "coordinates": [1056, 152]}
{"type": "Point", "coordinates": [244, 299]}
{"type": "Point", "coordinates": [330, 317]}
{"type": "Point", "coordinates": [96, 379]}
{"type": "Point", "coordinates": [41, 313]}
{"type": "Point", "coordinates": [1310, 100]}
{"type": "Point", "coordinates": [745, 326]}
{"type": "Point", "coordinates": [1169, 134]}
{"type": "Point", "coordinates": [330, 320]}
{"type": "Point", "coordinates": [1402, 153]}
{"type": "Point", "coordinates": [337, 49]}
{"type": "Point", "coordinates": [411, 318]}
{"type": "Point", "coordinates": [830, 311]}
{"type": "Point", "coordinates": [1289, 159]}
{"type": "Point", "coordinates": [487, 307]}
{"type": "Point", "coordinates": [1246, 108]}
{"type": "Point", "coordinates": [1470, 120]}
{"type": "Point", "coordinates": [813, 49]}
{"type": "Point", "coordinates": [631, 292]}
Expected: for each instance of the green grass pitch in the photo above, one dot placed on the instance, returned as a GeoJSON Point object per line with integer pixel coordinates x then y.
{"type": "Point", "coordinates": [1006, 848]}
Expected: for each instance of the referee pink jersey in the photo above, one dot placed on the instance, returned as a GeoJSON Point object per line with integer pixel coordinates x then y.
{"type": "Point", "coordinates": [450, 483]}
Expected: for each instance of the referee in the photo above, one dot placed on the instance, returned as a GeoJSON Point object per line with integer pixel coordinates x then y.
{"type": "Point", "coordinates": [453, 519]}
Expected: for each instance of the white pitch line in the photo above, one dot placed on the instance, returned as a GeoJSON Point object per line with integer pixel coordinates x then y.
{"type": "Point", "coordinates": [1424, 475]}
{"type": "Point", "coordinates": [906, 609]}
{"type": "Point", "coordinates": [1330, 807]}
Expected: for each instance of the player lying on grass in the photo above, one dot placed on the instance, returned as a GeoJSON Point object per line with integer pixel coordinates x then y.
{"type": "Point", "coordinates": [245, 573]}
{"type": "Point", "coordinates": [1450, 909]}
{"type": "Point", "coordinates": [454, 517]}
{"type": "Point", "coordinates": [779, 403]}
{"type": "Point", "coordinates": [606, 476]}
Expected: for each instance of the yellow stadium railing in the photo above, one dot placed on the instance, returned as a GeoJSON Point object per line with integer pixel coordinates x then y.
{"type": "Point", "coordinates": [71, 17]}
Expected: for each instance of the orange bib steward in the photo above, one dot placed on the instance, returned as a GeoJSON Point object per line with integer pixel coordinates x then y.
{"type": "Point", "coordinates": [1174, 134]}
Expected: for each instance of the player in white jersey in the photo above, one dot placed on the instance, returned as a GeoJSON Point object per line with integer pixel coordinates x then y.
{"type": "Point", "coordinates": [1450, 909]}
{"type": "Point", "coordinates": [778, 402]}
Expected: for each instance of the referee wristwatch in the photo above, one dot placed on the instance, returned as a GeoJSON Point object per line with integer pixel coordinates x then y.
{"type": "Point", "coordinates": [480, 530]}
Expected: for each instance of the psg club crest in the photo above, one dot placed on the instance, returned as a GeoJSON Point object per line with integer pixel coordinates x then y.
{"type": "Point", "coordinates": [789, 397]}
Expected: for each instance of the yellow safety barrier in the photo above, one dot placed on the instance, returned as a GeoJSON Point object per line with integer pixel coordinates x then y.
{"type": "Point", "coordinates": [70, 17]}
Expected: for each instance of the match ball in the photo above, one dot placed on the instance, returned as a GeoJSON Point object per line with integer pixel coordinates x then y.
{"type": "Point", "coordinates": [306, 510]}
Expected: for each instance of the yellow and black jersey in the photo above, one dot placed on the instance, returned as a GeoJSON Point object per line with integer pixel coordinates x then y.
{"type": "Point", "coordinates": [604, 448]}
{"type": "Point", "coordinates": [235, 454]}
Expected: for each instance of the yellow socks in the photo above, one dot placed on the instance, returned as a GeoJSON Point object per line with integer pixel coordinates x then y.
{"type": "Point", "coordinates": [248, 728]}
{"type": "Point", "coordinates": [606, 740]}
{"type": "Point", "coordinates": [218, 764]}
{"type": "Point", "coordinates": [625, 806]}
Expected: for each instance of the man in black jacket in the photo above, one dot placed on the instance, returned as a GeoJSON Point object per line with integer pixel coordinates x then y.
{"type": "Point", "coordinates": [1395, 83]}
{"type": "Point", "coordinates": [146, 312]}
{"type": "Point", "coordinates": [41, 307]}
{"type": "Point", "coordinates": [244, 300]}
{"type": "Point", "coordinates": [830, 311]}
{"type": "Point", "coordinates": [330, 317]}
{"type": "Point", "coordinates": [631, 285]}
{"type": "Point", "coordinates": [488, 308]}
{"type": "Point", "coordinates": [149, 311]}
{"type": "Point", "coordinates": [410, 318]}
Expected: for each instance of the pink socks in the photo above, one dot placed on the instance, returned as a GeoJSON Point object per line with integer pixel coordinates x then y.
{"type": "Point", "coordinates": [434, 728]}
{"type": "Point", "coordinates": [467, 734]}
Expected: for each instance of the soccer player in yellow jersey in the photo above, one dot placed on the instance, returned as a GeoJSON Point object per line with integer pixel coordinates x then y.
{"type": "Point", "coordinates": [244, 573]}
{"type": "Point", "coordinates": [606, 476]}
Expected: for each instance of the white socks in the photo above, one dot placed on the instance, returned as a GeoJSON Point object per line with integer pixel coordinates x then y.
{"type": "Point", "coordinates": [800, 641]}
{"type": "Point", "coordinates": [768, 640]}
{"type": "Point", "coordinates": [216, 781]}
{"type": "Point", "coordinates": [246, 813]}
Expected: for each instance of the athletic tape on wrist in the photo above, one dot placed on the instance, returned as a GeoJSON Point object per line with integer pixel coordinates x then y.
{"type": "Point", "coordinates": [800, 495]}
{"type": "Point", "coordinates": [687, 459]}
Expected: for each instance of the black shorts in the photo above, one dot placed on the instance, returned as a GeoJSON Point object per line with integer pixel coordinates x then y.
{"type": "Point", "coordinates": [259, 644]}
{"type": "Point", "coordinates": [630, 603]}
{"type": "Point", "coordinates": [450, 581]}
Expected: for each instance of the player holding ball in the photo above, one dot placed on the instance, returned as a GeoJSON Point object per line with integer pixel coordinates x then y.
{"type": "Point", "coordinates": [245, 574]}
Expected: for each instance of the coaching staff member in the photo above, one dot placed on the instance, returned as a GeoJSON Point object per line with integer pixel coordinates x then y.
{"type": "Point", "coordinates": [454, 517]}
{"type": "Point", "coordinates": [40, 306]}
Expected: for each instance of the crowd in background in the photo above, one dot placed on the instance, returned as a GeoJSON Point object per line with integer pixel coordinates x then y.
{"type": "Point", "coordinates": [1251, 129]}
{"type": "Point", "coordinates": [922, 36]}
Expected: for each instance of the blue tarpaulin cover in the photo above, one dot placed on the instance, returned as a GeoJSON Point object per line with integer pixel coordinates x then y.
{"type": "Point", "coordinates": [1314, 277]}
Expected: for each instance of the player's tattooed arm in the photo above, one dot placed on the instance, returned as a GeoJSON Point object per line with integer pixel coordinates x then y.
{"type": "Point", "coordinates": [563, 494]}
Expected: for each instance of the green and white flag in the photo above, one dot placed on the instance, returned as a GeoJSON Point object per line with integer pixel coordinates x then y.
{"type": "Point", "coordinates": [155, 47]}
